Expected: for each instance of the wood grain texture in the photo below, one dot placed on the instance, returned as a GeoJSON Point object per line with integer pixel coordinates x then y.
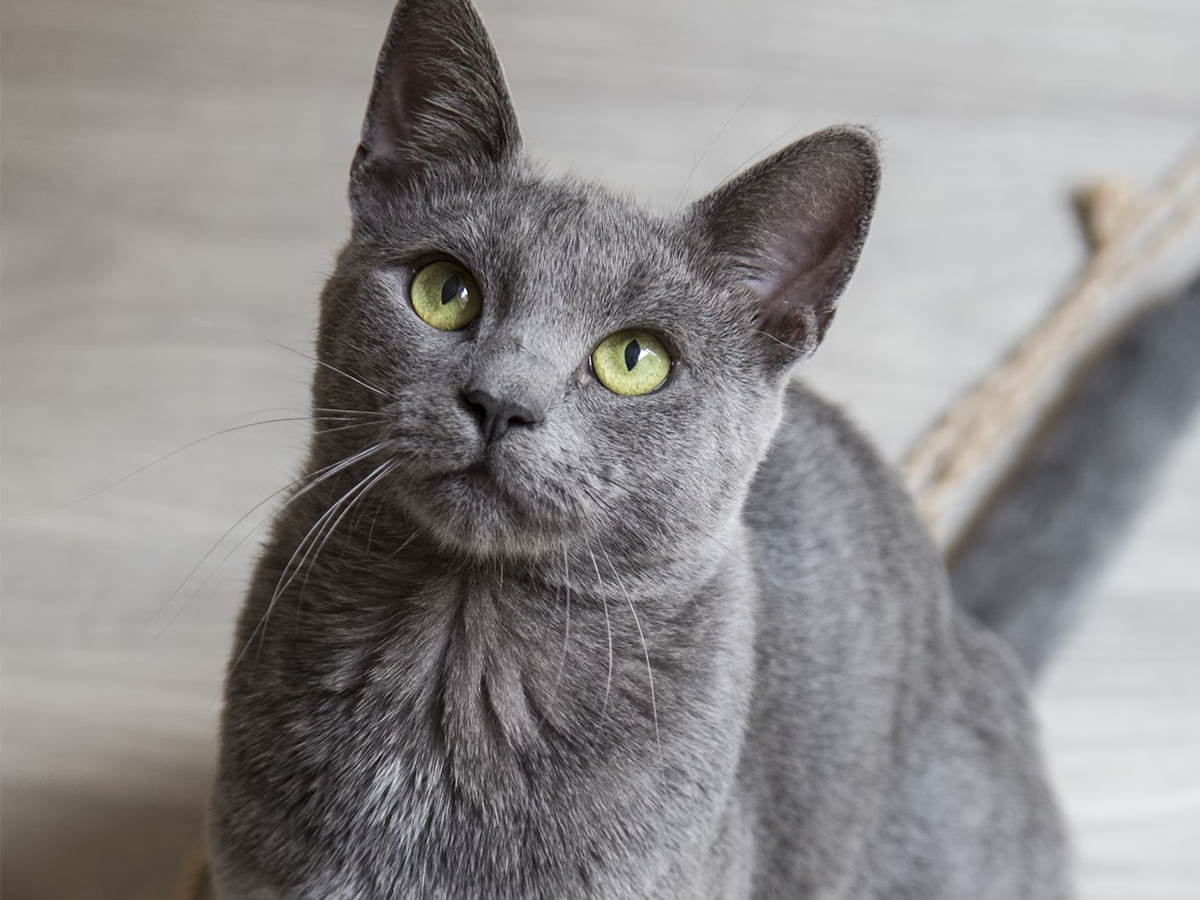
{"type": "Point", "coordinates": [172, 181]}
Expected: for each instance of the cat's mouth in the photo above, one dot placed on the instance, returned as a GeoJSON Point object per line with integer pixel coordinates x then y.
{"type": "Point", "coordinates": [482, 506]}
{"type": "Point", "coordinates": [484, 477]}
{"type": "Point", "coordinates": [479, 498]}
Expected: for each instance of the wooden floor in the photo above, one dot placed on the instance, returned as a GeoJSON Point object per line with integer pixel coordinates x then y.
{"type": "Point", "coordinates": [173, 179]}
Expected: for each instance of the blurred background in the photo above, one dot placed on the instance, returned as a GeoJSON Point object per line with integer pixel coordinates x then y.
{"type": "Point", "coordinates": [173, 180]}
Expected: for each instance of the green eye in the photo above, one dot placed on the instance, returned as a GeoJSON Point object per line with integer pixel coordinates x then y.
{"type": "Point", "coordinates": [446, 296]}
{"type": "Point", "coordinates": [631, 362]}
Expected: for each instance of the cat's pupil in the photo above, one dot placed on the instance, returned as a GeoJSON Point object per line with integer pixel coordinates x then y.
{"type": "Point", "coordinates": [633, 352]}
{"type": "Point", "coordinates": [451, 289]}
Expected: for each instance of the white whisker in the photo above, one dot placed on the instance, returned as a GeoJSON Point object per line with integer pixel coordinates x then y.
{"type": "Point", "coordinates": [382, 471]}
{"type": "Point", "coordinates": [305, 546]}
{"type": "Point", "coordinates": [316, 477]}
{"type": "Point", "coordinates": [567, 627]}
{"type": "Point", "coordinates": [608, 628]}
{"type": "Point", "coordinates": [360, 382]}
{"type": "Point", "coordinates": [192, 443]}
{"type": "Point", "coordinates": [646, 651]}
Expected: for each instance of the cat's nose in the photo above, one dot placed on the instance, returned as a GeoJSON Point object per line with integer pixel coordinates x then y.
{"type": "Point", "coordinates": [496, 416]}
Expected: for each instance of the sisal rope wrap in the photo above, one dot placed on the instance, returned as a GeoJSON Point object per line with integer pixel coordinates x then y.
{"type": "Point", "coordinates": [1127, 233]}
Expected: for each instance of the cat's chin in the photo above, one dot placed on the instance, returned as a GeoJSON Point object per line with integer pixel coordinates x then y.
{"type": "Point", "coordinates": [475, 512]}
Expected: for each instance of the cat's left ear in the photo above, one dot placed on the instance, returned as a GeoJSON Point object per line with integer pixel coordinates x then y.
{"type": "Point", "coordinates": [791, 228]}
{"type": "Point", "coordinates": [438, 103]}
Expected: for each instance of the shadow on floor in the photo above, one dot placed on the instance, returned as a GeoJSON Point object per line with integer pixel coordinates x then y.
{"type": "Point", "coordinates": [63, 845]}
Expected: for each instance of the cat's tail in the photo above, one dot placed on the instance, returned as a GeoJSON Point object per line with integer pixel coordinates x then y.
{"type": "Point", "coordinates": [1031, 555]}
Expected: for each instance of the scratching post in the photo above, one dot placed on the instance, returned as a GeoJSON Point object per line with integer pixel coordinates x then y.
{"type": "Point", "coordinates": [1127, 233]}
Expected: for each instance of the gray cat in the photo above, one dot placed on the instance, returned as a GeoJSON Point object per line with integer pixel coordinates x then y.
{"type": "Point", "coordinates": [582, 597]}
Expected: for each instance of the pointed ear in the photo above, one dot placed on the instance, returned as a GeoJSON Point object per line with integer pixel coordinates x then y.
{"type": "Point", "coordinates": [438, 102]}
{"type": "Point", "coordinates": [790, 230]}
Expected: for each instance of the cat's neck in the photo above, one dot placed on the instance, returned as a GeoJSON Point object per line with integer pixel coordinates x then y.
{"type": "Point", "coordinates": [563, 702]}
{"type": "Point", "coordinates": [528, 645]}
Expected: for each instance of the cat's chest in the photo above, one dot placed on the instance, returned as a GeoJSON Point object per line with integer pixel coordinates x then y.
{"type": "Point", "coordinates": [452, 678]}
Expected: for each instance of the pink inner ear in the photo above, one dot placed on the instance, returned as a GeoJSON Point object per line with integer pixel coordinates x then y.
{"type": "Point", "coordinates": [793, 226]}
{"type": "Point", "coordinates": [439, 99]}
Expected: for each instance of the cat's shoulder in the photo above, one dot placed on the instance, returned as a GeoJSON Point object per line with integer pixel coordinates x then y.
{"type": "Point", "coordinates": [822, 481]}
{"type": "Point", "coordinates": [818, 448]}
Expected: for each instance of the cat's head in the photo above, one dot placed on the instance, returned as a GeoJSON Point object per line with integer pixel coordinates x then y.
{"type": "Point", "coordinates": [561, 367]}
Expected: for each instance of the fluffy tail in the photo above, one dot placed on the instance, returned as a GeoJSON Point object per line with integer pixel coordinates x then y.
{"type": "Point", "coordinates": [1032, 553]}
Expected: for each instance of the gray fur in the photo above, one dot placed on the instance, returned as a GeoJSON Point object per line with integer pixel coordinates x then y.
{"type": "Point", "coordinates": [691, 644]}
{"type": "Point", "coordinates": [1025, 567]}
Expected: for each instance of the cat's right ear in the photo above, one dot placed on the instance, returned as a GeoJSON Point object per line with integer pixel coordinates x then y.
{"type": "Point", "coordinates": [439, 102]}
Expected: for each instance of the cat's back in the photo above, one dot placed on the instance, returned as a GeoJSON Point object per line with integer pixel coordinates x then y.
{"type": "Point", "coordinates": [882, 711]}
{"type": "Point", "coordinates": [823, 488]}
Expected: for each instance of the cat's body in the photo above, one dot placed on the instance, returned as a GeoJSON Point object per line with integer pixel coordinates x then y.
{"type": "Point", "coordinates": [538, 637]}
{"type": "Point", "coordinates": [475, 747]}
{"type": "Point", "coordinates": [906, 765]}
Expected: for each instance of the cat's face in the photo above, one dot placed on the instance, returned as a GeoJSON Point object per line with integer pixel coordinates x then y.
{"type": "Point", "coordinates": [558, 268]}
{"type": "Point", "coordinates": [517, 430]}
